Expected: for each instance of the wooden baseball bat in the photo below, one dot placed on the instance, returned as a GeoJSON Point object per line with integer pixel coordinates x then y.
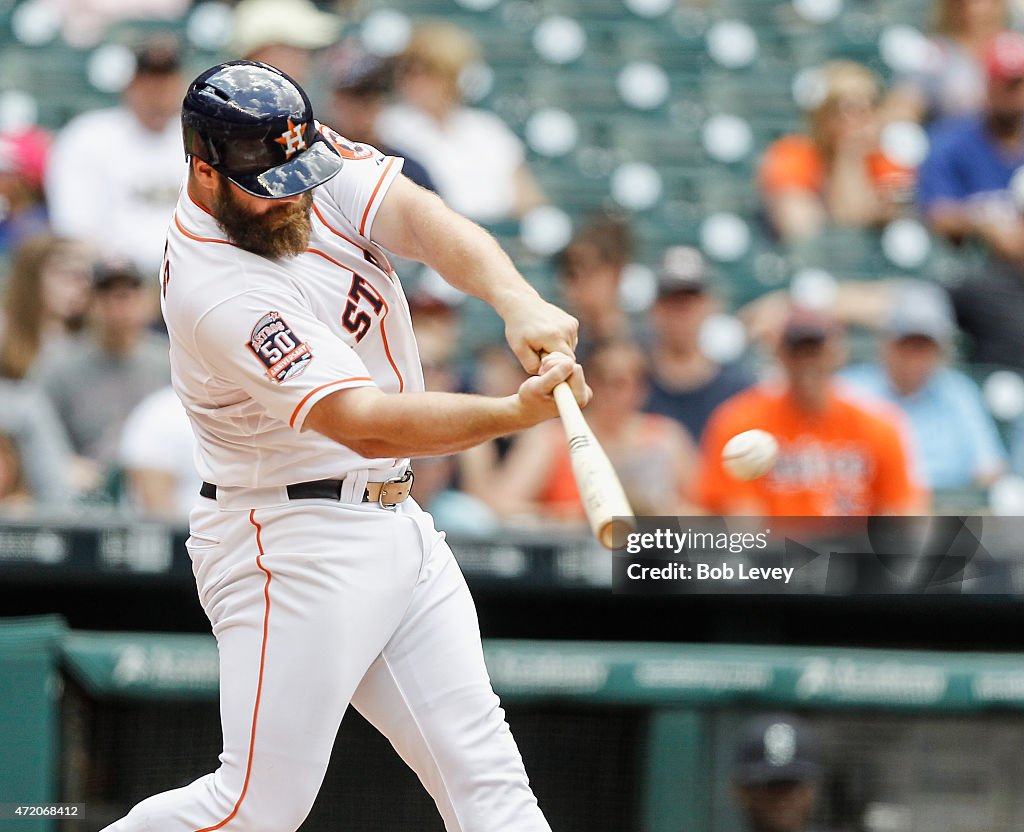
{"type": "Point", "coordinates": [607, 508]}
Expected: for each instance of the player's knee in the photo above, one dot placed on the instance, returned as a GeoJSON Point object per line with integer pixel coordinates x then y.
{"type": "Point", "coordinates": [285, 813]}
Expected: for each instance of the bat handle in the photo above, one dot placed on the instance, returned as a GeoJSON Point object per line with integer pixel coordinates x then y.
{"type": "Point", "coordinates": [569, 410]}
{"type": "Point", "coordinates": [564, 397]}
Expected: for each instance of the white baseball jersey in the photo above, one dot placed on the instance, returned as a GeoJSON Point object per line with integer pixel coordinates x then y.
{"type": "Point", "coordinates": [255, 343]}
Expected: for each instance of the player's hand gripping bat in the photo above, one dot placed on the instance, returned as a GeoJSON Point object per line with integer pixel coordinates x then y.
{"type": "Point", "coordinates": [608, 510]}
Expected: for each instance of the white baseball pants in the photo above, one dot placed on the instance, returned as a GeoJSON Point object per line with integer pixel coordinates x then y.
{"type": "Point", "coordinates": [316, 604]}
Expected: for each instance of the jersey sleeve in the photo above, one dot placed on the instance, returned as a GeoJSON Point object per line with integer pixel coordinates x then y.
{"type": "Point", "coordinates": [359, 189]}
{"type": "Point", "coordinates": [273, 347]}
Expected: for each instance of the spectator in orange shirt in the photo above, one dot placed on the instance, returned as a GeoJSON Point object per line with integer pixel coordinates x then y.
{"type": "Point", "coordinates": [836, 455]}
{"type": "Point", "coordinates": [837, 174]}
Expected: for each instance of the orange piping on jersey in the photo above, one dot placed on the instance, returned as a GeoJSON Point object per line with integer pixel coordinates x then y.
{"type": "Point", "coordinates": [329, 259]}
{"type": "Point", "coordinates": [259, 682]}
{"type": "Point", "coordinates": [315, 390]}
{"type": "Point", "coordinates": [333, 230]}
{"type": "Point", "coordinates": [192, 236]}
{"type": "Point", "coordinates": [373, 196]}
{"type": "Point", "coordinates": [383, 331]}
{"type": "Point", "coordinates": [196, 202]}
{"type": "Point", "coordinates": [387, 349]}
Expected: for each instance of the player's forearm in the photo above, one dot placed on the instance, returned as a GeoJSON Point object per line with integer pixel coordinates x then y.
{"type": "Point", "coordinates": [471, 260]}
{"type": "Point", "coordinates": [376, 424]}
{"type": "Point", "coordinates": [416, 224]}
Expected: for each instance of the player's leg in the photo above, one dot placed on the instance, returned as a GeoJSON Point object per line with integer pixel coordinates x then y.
{"type": "Point", "coordinates": [298, 616]}
{"type": "Point", "coordinates": [430, 695]}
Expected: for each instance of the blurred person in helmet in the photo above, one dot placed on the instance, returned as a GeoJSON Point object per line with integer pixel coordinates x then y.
{"type": "Point", "coordinates": [776, 774]}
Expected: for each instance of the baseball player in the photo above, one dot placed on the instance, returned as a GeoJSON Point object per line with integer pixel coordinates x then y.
{"type": "Point", "coordinates": [293, 352]}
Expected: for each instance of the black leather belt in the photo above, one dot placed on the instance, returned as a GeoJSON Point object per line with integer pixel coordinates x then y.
{"type": "Point", "coordinates": [389, 493]}
{"type": "Point", "coordinates": [313, 490]}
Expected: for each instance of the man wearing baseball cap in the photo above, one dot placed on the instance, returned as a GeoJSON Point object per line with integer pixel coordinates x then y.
{"type": "Point", "coordinates": [686, 383]}
{"type": "Point", "coordinates": [114, 173]}
{"type": "Point", "coordinates": [969, 189]}
{"type": "Point", "coordinates": [955, 442]}
{"type": "Point", "coordinates": [95, 380]}
{"type": "Point", "coordinates": [965, 184]}
{"type": "Point", "coordinates": [837, 457]}
{"type": "Point", "coordinates": [776, 774]}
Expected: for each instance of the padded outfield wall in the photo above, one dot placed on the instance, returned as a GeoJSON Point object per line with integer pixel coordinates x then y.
{"type": "Point", "coordinates": [622, 736]}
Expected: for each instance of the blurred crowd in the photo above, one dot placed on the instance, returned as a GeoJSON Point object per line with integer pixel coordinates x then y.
{"type": "Point", "coordinates": [868, 386]}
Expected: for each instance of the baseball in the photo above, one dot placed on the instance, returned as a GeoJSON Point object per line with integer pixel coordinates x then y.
{"type": "Point", "coordinates": [750, 454]}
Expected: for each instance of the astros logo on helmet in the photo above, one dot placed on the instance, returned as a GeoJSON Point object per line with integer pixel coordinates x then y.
{"type": "Point", "coordinates": [292, 139]}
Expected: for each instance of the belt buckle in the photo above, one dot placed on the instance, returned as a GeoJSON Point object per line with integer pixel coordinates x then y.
{"type": "Point", "coordinates": [407, 477]}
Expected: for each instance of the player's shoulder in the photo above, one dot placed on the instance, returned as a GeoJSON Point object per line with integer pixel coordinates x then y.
{"type": "Point", "coordinates": [202, 274]}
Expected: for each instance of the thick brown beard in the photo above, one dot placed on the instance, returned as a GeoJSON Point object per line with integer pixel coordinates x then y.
{"type": "Point", "coordinates": [283, 231]}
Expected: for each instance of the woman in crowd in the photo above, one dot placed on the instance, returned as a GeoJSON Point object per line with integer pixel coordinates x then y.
{"type": "Point", "coordinates": [836, 174]}
{"type": "Point", "coordinates": [46, 299]}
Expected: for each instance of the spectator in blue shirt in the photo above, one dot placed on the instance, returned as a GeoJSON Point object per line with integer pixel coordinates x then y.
{"type": "Point", "coordinates": [685, 383]}
{"type": "Point", "coordinates": [967, 192]}
{"type": "Point", "coordinates": [965, 184]}
{"type": "Point", "coordinates": [954, 439]}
